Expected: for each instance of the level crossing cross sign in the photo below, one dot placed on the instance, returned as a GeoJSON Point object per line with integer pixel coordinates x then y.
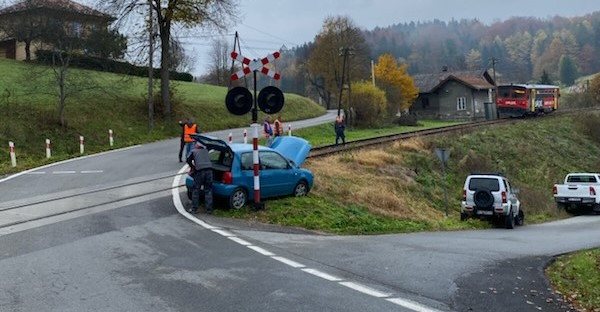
{"type": "Point", "coordinates": [252, 65]}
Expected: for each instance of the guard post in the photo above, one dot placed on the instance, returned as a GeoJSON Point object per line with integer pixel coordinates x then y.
{"type": "Point", "coordinates": [443, 154]}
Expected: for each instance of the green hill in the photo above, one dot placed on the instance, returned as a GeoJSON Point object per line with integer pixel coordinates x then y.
{"type": "Point", "coordinates": [100, 101]}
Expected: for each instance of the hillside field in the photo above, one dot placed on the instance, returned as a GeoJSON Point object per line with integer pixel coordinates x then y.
{"type": "Point", "coordinates": [100, 101]}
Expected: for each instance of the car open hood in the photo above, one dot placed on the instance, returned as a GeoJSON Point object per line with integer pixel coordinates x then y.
{"type": "Point", "coordinates": [292, 147]}
{"type": "Point", "coordinates": [212, 143]}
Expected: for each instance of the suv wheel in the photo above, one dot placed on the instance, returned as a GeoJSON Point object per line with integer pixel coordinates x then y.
{"type": "Point", "coordinates": [483, 198]}
{"type": "Point", "coordinates": [520, 218]}
{"type": "Point", "coordinates": [509, 220]}
{"type": "Point", "coordinates": [463, 216]}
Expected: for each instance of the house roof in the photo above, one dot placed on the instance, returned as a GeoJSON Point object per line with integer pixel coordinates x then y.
{"type": "Point", "coordinates": [474, 79]}
{"type": "Point", "coordinates": [59, 5]}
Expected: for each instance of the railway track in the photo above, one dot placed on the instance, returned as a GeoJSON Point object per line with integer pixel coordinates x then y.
{"type": "Point", "coordinates": [361, 143]}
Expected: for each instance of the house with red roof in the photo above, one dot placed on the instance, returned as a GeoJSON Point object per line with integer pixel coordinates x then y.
{"type": "Point", "coordinates": [21, 24]}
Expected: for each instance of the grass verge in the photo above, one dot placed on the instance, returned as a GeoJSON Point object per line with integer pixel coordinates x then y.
{"type": "Point", "coordinates": [577, 278]}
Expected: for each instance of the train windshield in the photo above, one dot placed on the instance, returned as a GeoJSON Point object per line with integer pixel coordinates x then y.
{"type": "Point", "coordinates": [512, 92]}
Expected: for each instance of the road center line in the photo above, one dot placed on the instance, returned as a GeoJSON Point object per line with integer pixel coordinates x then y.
{"type": "Point", "coordinates": [64, 172]}
{"type": "Point", "coordinates": [92, 171]}
{"type": "Point", "coordinates": [352, 285]}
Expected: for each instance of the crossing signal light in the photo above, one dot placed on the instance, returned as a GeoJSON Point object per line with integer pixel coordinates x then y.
{"type": "Point", "coordinates": [270, 100]}
{"type": "Point", "coordinates": [238, 101]}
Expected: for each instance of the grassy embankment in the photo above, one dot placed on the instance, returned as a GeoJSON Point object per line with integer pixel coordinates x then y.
{"type": "Point", "coordinates": [399, 188]}
{"type": "Point", "coordinates": [577, 278]}
{"type": "Point", "coordinates": [28, 113]}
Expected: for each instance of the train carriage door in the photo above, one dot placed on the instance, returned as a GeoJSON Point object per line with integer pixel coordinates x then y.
{"type": "Point", "coordinates": [556, 95]}
{"type": "Point", "coordinates": [532, 97]}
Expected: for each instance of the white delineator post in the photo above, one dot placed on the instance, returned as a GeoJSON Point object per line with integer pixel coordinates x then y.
{"type": "Point", "coordinates": [13, 156]}
{"type": "Point", "coordinates": [48, 151]}
{"type": "Point", "coordinates": [230, 137]}
{"type": "Point", "coordinates": [111, 141]}
{"type": "Point", "coordinates": [81, 142]}
{"type": "Point", "coordinates": [290, 129]}
{"type": "Point", "coordinates": [255, 162]}
{"type": "Point", "coordinates": [245, 136]}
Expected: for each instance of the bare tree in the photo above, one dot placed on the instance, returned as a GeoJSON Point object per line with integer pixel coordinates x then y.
{"type": "Point", "coordinates": [188, 14]}
{"type": "Point", "coordinates": [219, 61]}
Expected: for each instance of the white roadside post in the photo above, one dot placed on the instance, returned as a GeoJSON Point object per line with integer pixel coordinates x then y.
{"type": "Point", "coordinates": [13, 156]}
{"type": "Point", "coordinates": [111, 141]}
{"type": "Point", "coordinates": [230, 137]}
{"type": "Point", "coordinates": [245, 136]}
{"type": "Point", "coordinates": [290, 129]}
{"type": "Point", "coordinates": [81, 148]}
{"type": "Point", "coordinates": [48, 152]}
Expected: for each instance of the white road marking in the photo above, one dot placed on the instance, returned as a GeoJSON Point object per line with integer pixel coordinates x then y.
{"type": "Point", "coordinates": [289, 262]}
{"type": "Point", "coordinates": [365, 289]}
{"type": "Point", "coordinates": [322, 275]}
{"type": "Point", "coordinates": [239, 241]}
{"type": "Point", "coordinates": [261, 250]}
{"type": "Point", "coordinates": [92, 171]}
{"type": "Point", "coordinates": [411, 305]}
{"type": "Point", "coordinates": [36, 172]}
{"type": "Point", "coordinates": [64, 172]}
{"type": "Point", "coordinates": [65, 161]}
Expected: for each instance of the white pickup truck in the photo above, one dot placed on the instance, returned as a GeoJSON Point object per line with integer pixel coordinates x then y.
{"type": "Point", "coordinates": [580, 190]}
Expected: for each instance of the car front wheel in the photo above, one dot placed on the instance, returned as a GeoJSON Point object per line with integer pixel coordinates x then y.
{"type": "Point", "coordinates": [238, 198]}
{"type": "Point", "coordinates": [301, 189]}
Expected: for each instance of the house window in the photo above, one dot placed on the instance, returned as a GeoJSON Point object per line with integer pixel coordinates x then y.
{"type": "Point", "coordinates": [461, 103]}
{"type": "Point", "coordinates": [76, 29]}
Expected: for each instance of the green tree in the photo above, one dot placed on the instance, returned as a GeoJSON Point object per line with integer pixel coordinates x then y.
{"type": "Point", "coordinates": [473, 60]}
{"type": "Point", "coordinates": [399, 87]}
{"type": "Point", "coordinates": [545, 78]}
{"type": "Point", "coordinates": [568, 70]}
{"type": "Point", "coordinates": [325, 61]}
{"type": "Point", "coordinates": [369, 104]}
{"type": "Point", "coordinates": [106, 43]}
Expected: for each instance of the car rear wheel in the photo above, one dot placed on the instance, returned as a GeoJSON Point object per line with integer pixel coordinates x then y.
{"type": "Point", "coordinates": [238, 198]}
{"type": "Point", "coordinates": [301, 189]}
{"type": "Point", "coordinates": [463, 216]}
{"type": "Point", "coordinates": [509, 220]}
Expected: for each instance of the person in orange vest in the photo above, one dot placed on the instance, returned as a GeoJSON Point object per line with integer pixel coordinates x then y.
{"type": "Point", "coordinates": [268, 131]}
{"type": "Point", "coordinates": [277, 127]}
{"type": "Point", "coordinates": [190, 127]}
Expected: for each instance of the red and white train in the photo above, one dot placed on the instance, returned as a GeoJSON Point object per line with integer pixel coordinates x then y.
{"type": "Point", "coordinates": [517, 100]}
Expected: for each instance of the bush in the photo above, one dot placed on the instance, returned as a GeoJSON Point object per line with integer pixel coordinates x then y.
{"type": "Point", "coordinates": [369, 104]}
{"type": "Point", "coordinates": [108, 65]}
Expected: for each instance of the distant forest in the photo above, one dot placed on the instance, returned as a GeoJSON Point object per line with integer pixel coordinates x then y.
{"type": "Point", "coordinates": [525, 49]}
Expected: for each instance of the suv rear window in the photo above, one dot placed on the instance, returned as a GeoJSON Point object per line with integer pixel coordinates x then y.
{"type": "Point", "coordinates": [484, 183]}
{"type": "Point", "coordinates": [582, 179]}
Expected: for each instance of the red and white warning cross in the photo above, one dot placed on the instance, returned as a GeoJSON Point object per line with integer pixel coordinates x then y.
{"type": "Point", "coordinates": [258, 65]}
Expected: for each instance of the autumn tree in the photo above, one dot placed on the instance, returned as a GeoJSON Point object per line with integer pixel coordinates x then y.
{"type": "Point", "coordinates": [594, 89]}
{"type": "Point", "coordinates": [473, 60]}
{"type": "Point", "coordinates": [167, 13]}
{"type": "Point", "coordinates": [399, 87]}
{"type": "Point", "coordinates": [27, 28]}
{"type": "Point", "coordinates": [369, 104]}
{"type": "Point", "coordinates": [325, 61]}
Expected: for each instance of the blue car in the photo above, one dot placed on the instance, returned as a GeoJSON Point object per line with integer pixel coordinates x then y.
{"type": "Point", "coordinates": [233, 169]}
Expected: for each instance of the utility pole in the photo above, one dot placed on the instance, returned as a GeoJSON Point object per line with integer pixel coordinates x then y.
{"type": "Point", "coordinates": [494, 60]}
{"type": "Point", "coordinates": [373, 72]}
{"type": "Point", "coordinates": [345, 52]}
{"type": "Point", "coordinates": [150, 69]}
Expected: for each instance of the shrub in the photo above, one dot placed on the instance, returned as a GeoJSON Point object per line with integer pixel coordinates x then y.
{"type": "Point", "coordinates": [369, 104]}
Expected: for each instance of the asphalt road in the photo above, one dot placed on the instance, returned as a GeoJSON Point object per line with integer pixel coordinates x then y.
{"type": "Point", "coordinates": [127, 245]}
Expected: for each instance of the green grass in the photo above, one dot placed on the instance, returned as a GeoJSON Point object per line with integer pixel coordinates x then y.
{"type": "Point", "coordinates": [28, 112]}
{"type": "Point", "coordinates": [324, 134]}
{"type": "Point", "coordinates": [577, 277]}
{"type": "Point", "coordinates": [533, 153]}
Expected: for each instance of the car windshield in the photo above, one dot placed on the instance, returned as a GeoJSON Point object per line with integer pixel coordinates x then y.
{"type": "Point", "coordinates": [484, 183]}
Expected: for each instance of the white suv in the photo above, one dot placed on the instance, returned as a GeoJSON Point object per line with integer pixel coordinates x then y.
{"type": "Point", "coordinates": [489, 196]}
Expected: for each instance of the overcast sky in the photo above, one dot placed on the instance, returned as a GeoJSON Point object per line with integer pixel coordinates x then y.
{"type": "Point", "coordinates": [265, 25]}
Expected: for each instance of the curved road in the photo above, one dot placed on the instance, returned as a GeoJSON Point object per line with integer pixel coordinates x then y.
{"type": "Point", "coordinates": [109, 250]}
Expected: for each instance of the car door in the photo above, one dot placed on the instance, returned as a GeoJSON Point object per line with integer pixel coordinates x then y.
{"type": "Point", "coordinates": [276, 178]}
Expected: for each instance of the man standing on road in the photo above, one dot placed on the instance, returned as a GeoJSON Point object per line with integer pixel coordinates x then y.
{"type": "Point", "coordinates": [182, 144]}
{"type": "Point", "coordinates": [189, 128]}
{"type": "Point", "coordinates": [278, 126]}
{"type": "Point", "coordinates": [268, 131]}
{"type": "Point", "coordinates": [202, 173]}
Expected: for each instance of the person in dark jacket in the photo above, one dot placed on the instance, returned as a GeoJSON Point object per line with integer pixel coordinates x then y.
{"type": "Point", "coordinates": [202, 173]}
{"type": "Point", "coordinates": [339, 130]}
{"type": "Point", "coordinates": [182, 143]}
